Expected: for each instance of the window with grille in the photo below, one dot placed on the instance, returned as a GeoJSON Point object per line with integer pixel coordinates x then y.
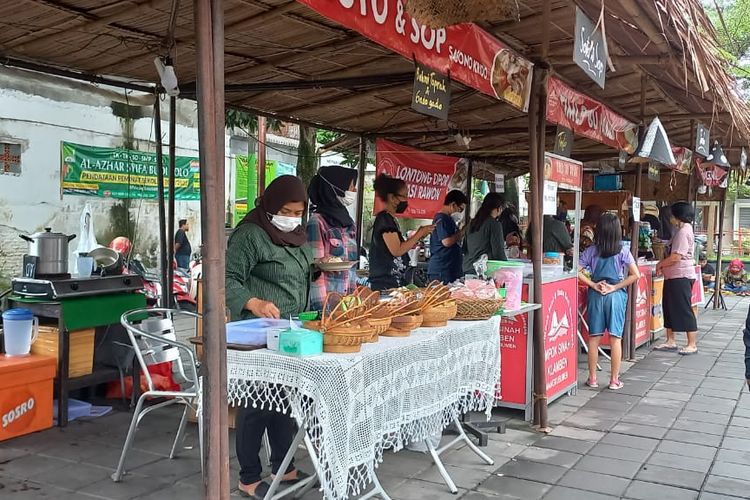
{"type": "Point", "coordinates": [10, 158]}
{"type": "Point", "coordinates": [743, 216]}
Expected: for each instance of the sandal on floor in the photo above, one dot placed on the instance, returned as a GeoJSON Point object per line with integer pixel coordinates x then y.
{"type": "Point", "coordinates": [592, 383]}
{"type": "Point", "coordinates": [687, 352]}
{"type": "Point", "coordinates": [666, 347]}
{"type": "Point", "coordinates": [616, 385]}
{"type": "Point", "coordinates": [260, 491]}
{"type": "Point", "coordinates": [301, 476]}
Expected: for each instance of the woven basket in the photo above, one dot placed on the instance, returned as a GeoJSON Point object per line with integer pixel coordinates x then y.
{"type": "Point", "coordinates": [474, 310]}
{"type": "Point", "coordinates": [380, 325]}
{"type": "Point", "coordinates": [311, 325]}
{"type": "Point", "coordinates": [401, 326]}
{"type": "Point", "coordinates": [346, 339]}
{"type": "Point", "coordinates": [440, 315]}
{"type": "Point", "coordinates": [441, 13]}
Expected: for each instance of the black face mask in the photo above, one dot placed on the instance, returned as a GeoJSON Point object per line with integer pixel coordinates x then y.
{"type": "Point", "coordinates": [401, 207]}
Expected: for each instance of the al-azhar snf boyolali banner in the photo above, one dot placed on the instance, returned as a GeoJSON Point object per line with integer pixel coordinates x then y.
{"type": "Point", "coordinates": [123, 173]}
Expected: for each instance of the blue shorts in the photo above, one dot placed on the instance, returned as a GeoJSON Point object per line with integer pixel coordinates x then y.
{"type": "Point", "coordinates": [607, 313]}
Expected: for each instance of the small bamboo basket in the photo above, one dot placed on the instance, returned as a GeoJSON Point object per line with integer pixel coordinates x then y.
{"type": "Point", "coordinates": [437, 305]}
{"type": "Point", "coordinates": [345, 327]}
{"type": "Point", "coordinates": [475, 310]}
{"type": "Point", "coordinates": [402, 326]}
{"type": "Point", "coordinates": [437, 316]}
{"type": "Point", "coordinates": [380, 325]}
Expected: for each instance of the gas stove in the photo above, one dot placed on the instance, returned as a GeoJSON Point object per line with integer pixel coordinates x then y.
{"type": "Point", "coordinates": [75, 287]}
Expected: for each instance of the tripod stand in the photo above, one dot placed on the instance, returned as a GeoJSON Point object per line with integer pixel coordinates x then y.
{"type": "Point", "coordinates": [711, 300]}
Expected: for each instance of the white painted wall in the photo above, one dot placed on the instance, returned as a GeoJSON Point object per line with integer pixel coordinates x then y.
{"type": "Point", "coordinates": [38, 112]}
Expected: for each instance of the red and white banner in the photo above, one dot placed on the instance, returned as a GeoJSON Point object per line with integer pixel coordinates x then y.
{"type": "Point", "coordinates": [559, 309]}
{"type": "Point", "coordinates": [588, 117]}
{"type": "Point", "coordinates": [514, 356]}
{"type": "Point", "coordinates": [465, 52]}
{"type": "Point", "coordinates": [643, 307]}
{"type": "Point", "coordinates": [566, 172]}
{"type": "Point", "coordinates": [429, 176]}
{"type": "Point", "coordinates": [711, 175]}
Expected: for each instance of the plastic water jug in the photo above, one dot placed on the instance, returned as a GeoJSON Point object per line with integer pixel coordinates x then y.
{"type": "Point", "coordinates": [20, 329]}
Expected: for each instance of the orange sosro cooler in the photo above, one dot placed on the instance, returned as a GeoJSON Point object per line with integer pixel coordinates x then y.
{"type": "Point", "coordinates": [25, 394]}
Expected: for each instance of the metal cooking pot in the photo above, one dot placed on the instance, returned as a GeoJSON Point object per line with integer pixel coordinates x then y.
{"type": "Point", "coordinates": [108, 261]}
{"type": "Point", "coordinates": [52, 250]}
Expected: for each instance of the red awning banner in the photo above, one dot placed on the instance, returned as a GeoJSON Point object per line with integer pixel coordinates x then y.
{"type": "Point", "coordinates": [428, 176]}
{"type": "Point", "coordinates": [464, 52]}
{"type": "Point", "coordinates": [588, 117]}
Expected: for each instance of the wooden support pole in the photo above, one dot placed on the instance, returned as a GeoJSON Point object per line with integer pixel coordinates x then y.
{"type": "Point", "coordinates": [209, 30]}
{"type": "Point", "coordinates": [163, 260]}
{"type": "Point", "coordinates": [362, 167]}
{"type": "Point", "coordinates": [537, 121]}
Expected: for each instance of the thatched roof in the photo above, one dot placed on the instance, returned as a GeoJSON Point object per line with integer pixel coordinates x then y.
{"type": "Point", "coordinates": [280, 42]}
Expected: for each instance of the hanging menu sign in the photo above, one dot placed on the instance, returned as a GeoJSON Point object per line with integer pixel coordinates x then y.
{"type": "Point", "coordinates": [653, 171]}
{"type": "Point", "coordinates": [432, 93]}
{"type": "Point", "coordinates": [563, 141]}
{"type": "Point", "coordinates": [590, 48]}
{"type": "Point", "coordinates": [701, 140]}
{"type": "Point", "coordinates": [743, 159]}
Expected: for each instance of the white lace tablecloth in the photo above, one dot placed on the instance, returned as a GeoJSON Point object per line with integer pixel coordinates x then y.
{"type": "Point", "coordinates": [394, 392]}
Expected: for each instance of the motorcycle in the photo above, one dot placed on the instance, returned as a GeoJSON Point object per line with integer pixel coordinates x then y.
{"type": "Point", "coordinates": [152, 288]}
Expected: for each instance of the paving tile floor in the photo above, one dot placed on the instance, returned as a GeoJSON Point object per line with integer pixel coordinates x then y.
{"type": "Point", "coordinates": [679, 430]}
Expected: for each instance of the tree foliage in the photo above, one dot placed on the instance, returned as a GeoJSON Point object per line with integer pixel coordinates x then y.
{"type": "Point", "coordinates": [731, 18]}
{"type": "Point", "coordinates": [326, 137]}
{"type": "Point", "coordinates": [248, 122]}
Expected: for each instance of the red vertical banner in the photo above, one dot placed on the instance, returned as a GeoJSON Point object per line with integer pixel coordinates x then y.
{"type": "Point", "coordinates": [643, 307]}
{"type": "Point", "coordinates": [559, 307]}
{"type": "Point", "coordinates": [514, 345]}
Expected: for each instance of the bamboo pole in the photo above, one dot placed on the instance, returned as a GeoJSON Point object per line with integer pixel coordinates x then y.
{"type": "Point", "coordinates": [209, 29]}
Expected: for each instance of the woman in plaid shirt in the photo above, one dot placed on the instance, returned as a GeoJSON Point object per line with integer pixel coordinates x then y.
{"type": "Point", "coordinates": [331, 232]}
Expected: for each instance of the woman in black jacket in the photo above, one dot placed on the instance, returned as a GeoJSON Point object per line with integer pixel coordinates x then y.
{"type": "Point", "coordinates": [485, 235]}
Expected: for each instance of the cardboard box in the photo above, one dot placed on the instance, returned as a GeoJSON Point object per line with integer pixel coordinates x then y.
{"type": "Point", "coordinates": [25, 394]}
{"type": "Point", "coordinates": [231, 418]}
{"type": "Point", "coordinates": [81, 353]}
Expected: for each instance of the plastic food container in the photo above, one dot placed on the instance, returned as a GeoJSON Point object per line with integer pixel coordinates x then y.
{"type": "Point", "coordinates": [300, 342]}
{"type": "Point", "coordinates": [508, 275]}
{"type": "Point", "coordinates": [254, 331]}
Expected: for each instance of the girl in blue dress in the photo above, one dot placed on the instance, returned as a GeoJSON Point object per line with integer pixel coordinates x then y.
{"type": "Point", "coordinates": [607, 269]}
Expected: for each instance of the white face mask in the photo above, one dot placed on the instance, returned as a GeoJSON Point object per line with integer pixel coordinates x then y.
{"type": "Point", "coordinates": [286, 224]}
{"type": "Point", "coordinates": [349, 198]}
{"type": "Point", "coordinates": [458, 217]}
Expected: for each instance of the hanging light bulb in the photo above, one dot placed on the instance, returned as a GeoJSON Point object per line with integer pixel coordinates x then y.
{"type": "Point", "coordinates": [167, 76]}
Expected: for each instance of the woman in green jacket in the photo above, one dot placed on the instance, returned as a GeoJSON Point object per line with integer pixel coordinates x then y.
{"type": "Point", "coordinates": [268, 276]}
{"type": "Point", "coordinates": [485, 236]}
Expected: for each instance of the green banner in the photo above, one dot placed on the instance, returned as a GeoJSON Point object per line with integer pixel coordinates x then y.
{"type": "Point", "coordinates": [246, 181]}
{"type": "Point", "coordinates": [123, 173]}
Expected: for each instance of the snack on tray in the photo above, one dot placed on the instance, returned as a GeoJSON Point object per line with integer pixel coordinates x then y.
{"type": "Point", "coordinates": [474, 289]}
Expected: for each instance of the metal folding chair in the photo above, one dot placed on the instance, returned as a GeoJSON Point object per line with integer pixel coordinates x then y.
{"type": "Point", "coordinates": [152, 336]}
